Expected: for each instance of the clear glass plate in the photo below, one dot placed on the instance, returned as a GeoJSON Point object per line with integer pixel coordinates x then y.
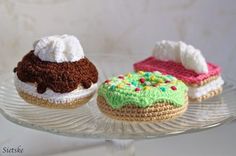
{"type": "Point", "coordinates": [88, 121]}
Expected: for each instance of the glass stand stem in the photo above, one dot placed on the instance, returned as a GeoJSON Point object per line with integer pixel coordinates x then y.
{"type": "Point", "coordinates": [120, 147]}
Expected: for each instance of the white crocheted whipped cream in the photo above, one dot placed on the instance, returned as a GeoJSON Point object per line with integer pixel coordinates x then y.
{"type": "Point", "coordinates": [51, 96]}
{"type": "Point", "coordinates": [180, 52]}
{"type": "Point", "coordinates": [59, 48]}
{"type": "Point", "coordinates": [195, 92]}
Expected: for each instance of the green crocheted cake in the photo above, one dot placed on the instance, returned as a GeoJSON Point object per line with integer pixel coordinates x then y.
{"type": "Point", "coordinates": [143, 89]}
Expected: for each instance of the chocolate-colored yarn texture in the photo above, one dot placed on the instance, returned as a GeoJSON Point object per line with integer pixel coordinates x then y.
{"type": "Point", "coordinates": [59, 77]}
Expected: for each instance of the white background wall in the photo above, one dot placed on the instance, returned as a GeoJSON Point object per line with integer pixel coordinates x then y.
{"type": "Point", "coordinates": [120, 26]}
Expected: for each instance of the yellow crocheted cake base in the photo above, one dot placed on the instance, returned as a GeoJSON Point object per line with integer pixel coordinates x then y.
{"type": "Point", "coordinates": [45, 103]}
{"type": "Point", "coordinates": [157, 112]}
{"type": "Point", "coordinates": [208, 95]}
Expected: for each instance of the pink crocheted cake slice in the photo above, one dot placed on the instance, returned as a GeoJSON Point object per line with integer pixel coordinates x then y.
{"type": "Point", "coordinates": [176, 69]}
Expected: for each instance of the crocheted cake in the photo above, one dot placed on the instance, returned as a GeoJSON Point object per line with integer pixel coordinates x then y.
{"type": "Point", "coordinates": [187, 64]}
{"type": "Point", "coordinates": [56, 74]}
{"type": "Point", "coordinates": [143, 96]}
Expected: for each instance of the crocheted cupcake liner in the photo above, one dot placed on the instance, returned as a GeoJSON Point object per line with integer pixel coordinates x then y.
{"type": "Point", "coordinates": [45, 103]}
{"type": "Point", "coordinates": [157, 112]}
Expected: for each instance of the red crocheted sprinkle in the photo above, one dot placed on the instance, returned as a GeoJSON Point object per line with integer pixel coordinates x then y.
{"type": "Point", "coordinates": [167, 81]}
{"type": "Point", "coordinates": [137, 89]}
{"type": "Point", "coordinates": [121, 77]}
{"type": "Point", "coordinates": [173, 88]}
{"type": "Point", "coordinates": [142, 80]}
{"type": "Point", "coordinates": [107, 81]}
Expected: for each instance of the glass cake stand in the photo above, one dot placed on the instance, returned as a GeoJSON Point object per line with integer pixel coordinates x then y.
{"type": "Point", "coordinates": [88, 122]}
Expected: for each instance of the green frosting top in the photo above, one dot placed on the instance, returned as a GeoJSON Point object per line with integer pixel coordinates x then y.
{"type": "Point", "coordinates": [143, 89]}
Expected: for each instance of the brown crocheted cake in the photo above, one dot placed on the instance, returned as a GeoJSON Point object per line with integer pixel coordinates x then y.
{"type": "Point", "coordinates": [56, 74]}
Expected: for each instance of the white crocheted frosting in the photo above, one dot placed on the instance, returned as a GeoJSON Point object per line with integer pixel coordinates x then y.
{"type": "Point", "coordinates": [195, 92]}
{"type": "Point", "coordinates": [59, 48]}
{"type": "Point", "coordinates": [180, 52]}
